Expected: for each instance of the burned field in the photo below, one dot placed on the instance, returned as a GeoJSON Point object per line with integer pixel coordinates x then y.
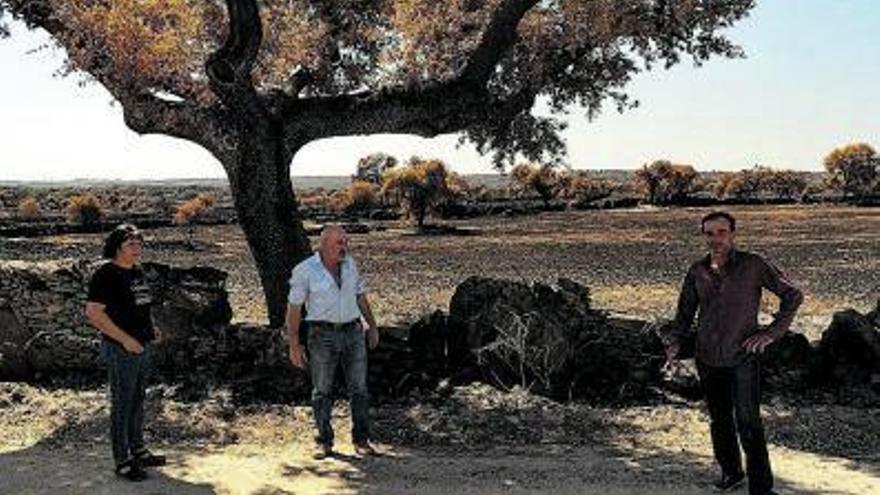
{"type": "Point", "coordinates": [632, 259]}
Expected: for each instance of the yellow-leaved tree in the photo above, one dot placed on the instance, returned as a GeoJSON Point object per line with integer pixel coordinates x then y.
{"type": "Point", "coordinates": [854, 169]}
{"type": "Point", "coordinates": [423, 185]}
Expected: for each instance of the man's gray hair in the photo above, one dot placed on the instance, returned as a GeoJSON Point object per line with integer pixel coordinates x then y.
{"type": "Point", "coordinates": [330, 227]}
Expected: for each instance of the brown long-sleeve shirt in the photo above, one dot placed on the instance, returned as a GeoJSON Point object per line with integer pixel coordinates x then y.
{"type": "Point", "coordinates": [728, 301]}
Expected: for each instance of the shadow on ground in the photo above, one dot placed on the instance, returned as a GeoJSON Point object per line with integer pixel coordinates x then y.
{"type": "Point", "coordinates": [472, 441]}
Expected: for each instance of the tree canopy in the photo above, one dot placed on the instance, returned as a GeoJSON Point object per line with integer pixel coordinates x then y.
{"type": "Point", "coordinates": [498, 56]}
{"type": "Point", "coordinates": [423, 185]}
{"type": "Point", "coordinates": [544, 180]}
{"type": "Point", "coordinates": [664, 182]}
{"type": "Point", "coordinates": [854, 168]}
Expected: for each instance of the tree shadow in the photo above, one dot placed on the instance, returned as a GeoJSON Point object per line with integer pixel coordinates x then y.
{"type": "Point", "coordinates": [75, 458]}
{"type": "Point", "coordinates": [441, 230]}
{"type": "Point", "coordinates": [58, 464]}
{"type": "Point", "coordinates": [849, 434]}
{"type": "Point", "coordinates": [478, 441]}
{"type": "Point", "coordinates": [502, 448]}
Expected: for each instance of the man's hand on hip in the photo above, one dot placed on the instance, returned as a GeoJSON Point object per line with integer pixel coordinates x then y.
{"type": "Point", "coordinates": [671, 349]}
{"type": "Point", "coordinates": [758, 342]}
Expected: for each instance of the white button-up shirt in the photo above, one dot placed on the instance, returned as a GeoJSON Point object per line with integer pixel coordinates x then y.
{"type": "Point", "coordinates": [312, 284]}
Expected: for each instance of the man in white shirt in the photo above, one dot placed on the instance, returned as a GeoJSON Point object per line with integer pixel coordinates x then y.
{"type": "Point", "coordinates": [335, 300]}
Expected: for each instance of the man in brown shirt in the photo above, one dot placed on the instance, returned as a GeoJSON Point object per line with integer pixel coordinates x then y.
{"type": "Point", "coordinates": [726, 286]}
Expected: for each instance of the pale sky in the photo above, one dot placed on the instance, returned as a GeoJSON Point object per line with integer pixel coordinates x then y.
{"type": "Point", "coordinates": [809, 84]}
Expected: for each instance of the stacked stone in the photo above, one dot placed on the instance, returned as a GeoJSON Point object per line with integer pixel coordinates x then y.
{"type": "Point", "coordinates": [42, 326]}
{"type": "Point", "coordinates": [544, 338]}
{"type": "Point", "coordinates": [549, 339]}
{"type": "Point", "coordinates": [43, 330]}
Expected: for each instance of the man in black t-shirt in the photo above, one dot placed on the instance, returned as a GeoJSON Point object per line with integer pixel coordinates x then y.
{"type": "Point", "coordinates": [118, 306]}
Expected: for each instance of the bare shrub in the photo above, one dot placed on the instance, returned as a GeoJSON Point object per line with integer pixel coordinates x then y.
{"type": "Point", "coordinates": [84, 209]}
{"type": "Point", "coordinates": [29, 208]}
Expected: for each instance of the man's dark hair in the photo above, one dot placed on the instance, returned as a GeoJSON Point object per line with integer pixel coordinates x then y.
{"type": "Point", "coordinates": [716, 215]}
{"type": "Point", "coordinates": [119, 235]}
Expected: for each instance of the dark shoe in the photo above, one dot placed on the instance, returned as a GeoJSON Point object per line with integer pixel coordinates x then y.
{"type": "Point", "coordinates": [364, 449]}
{"type": "Point", "coordinates": [131, 470]}
{"type": "Point", "coordinates": [148, 459]}
{"type": "Point", "coordinates": [322, 451]}
{"type": "Point", "coordinates": [730, 482]}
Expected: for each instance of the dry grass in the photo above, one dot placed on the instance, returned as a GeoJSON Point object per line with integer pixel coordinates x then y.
{"type": "Point", "coordinates": [658, 301]}
{"type": "Point", "coordinates": [647, 301]}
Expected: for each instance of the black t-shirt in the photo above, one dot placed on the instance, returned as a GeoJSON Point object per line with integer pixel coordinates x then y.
{"type": "Point", "coordinates": [127, 298]}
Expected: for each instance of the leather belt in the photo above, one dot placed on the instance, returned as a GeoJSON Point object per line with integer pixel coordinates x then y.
{"type": "Point", "coordinates": [333, 325]}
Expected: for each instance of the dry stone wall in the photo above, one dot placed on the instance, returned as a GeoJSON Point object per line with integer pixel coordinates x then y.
{"type": "Point", "coordinates": [545, 338]}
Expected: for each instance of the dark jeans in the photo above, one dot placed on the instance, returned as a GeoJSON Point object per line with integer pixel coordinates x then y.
{"type": "Point", "coordinates": [128, 375]}
{"type": "Point", "coordinates": [329, 348]}
{"type": "Point", "coordinates": [733, 396]}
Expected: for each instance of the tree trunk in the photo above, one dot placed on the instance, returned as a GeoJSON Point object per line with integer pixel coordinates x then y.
{"type": "Point", "coordinates": [259, 177]}
{"type": "Point", "coordinates": [421, 212]}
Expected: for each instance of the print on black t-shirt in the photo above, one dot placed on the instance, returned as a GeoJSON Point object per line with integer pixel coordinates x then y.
{"type": "Point", "coordinates": [141, 290]}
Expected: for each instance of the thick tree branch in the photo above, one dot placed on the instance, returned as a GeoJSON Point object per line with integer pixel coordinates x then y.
{"type": "Point", "coordinates": [144, 113]}
{"type": "Point", "coordinates": [35, 13]}
{"type": "Point", "coordinates": [148, 114]}
{"type": "Point", "coordinates": [229, 68]}
{"type": "Point", "coordinates": [498, 37]}
{"type": "Point", "coordinates": [430, 110]}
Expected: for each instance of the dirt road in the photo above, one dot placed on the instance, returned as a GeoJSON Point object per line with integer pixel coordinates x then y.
{"type": "Point", "coordinates": [560, 470]}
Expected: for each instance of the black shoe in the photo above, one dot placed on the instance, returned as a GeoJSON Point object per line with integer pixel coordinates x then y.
{"type": "Point", "coordinates": [364, 449]}
{"type": "Point", "coordinates": [322, 451]}
{"type": "Point", "coordinates": [131, 470]}
{"type": "Point", "coordinates": [730, 482]}
{"type": "Point", "coordinates": [148, 459]}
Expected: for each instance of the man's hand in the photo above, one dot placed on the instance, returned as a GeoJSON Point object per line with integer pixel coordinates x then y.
{"type": "Point", "coordinates": [373, 337]}
{"type": "Point", "coordinates": [671, 349]}
{"type": "Point", "coordinates": [758, 342]}
{"type": "Point", "coordinates": [132, 346]}
{"type": "Point", "coordinates": [297, 356]}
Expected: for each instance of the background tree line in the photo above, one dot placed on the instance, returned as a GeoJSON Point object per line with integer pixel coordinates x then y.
{"type": "Point", "coordinates": [420, 188]}
{"type": "Point", "coordinates": [423, 186]}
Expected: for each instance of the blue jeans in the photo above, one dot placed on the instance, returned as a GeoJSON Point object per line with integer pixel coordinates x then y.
{"type": "Point", "coordinates": [329, 348]}
{"type": "Point", "coordinates": [127, 374]}
{"type": "Point", "coordinates": [733, 396]}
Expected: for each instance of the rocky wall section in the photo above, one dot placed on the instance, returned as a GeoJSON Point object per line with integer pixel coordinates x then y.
{"type": "Point", "coordinates": [539, 337]}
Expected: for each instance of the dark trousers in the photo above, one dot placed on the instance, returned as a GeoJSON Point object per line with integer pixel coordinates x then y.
{"type": "Point", "coordinates": [329, 348]}
{"type": "Point", "coordinates": [733, 396]}
{"type": "Point", "coordinates": [127, 374]}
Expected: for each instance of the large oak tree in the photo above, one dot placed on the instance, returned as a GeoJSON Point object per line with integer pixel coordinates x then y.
{"type": "Point", "coordinates": [255, 81]}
